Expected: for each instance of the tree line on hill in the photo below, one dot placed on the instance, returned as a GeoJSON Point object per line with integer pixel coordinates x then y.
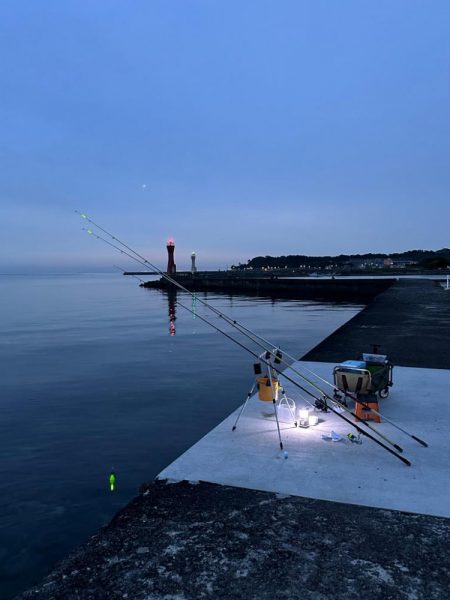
{"type": "Point", "coordinates": [419, 259]}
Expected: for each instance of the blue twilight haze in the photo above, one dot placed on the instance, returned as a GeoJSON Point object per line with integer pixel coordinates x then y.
{"type": "Point", "coordinates": [238, 128]}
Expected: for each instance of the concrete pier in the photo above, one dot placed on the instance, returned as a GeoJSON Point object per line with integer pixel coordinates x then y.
{"type": "Point", "coordinates": [410, 321]}
{"type": "Point", "coordinates": [333, 520]}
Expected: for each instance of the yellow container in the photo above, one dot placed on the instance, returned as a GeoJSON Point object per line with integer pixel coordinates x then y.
{"type": "Point", "coordinates": [265, 391]}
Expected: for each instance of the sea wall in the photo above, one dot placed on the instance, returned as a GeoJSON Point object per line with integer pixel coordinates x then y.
{"type": "Point", "coordinates": [357, 290]}
{"type": "Point", "coordinates": [190, 540]}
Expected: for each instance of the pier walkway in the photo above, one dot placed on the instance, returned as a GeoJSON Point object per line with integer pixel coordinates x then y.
{"type": "Point", "coordinates": [410, 321]}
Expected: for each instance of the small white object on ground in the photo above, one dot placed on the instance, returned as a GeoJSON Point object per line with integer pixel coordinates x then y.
{"type": "Point", "coordinates": [335, 437]}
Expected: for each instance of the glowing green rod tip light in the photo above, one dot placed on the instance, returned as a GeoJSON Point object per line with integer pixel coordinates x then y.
{"type": "Point", "coordinates": [83, 216]}
{"type": "Point", "coordinates": [112, 482]}
{"type": "Point", "coordinates": [89, 231]}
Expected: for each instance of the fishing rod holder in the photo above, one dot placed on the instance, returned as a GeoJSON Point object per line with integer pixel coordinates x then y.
{"type": "Point", "coordinates": [257, 369]}
{"type": "Point", "coordinates": [269, 386]}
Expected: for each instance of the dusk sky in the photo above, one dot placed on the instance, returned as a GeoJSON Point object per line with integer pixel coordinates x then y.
{"type": "Point", "coordinates": [239, 128]}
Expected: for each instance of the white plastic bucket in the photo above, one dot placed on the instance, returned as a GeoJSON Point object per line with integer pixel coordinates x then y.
{"type": "Point", "coordinates": [286, 410]}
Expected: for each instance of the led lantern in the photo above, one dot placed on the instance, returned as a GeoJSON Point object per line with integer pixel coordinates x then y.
{"type": "Point", "coordinates": [303, 414]}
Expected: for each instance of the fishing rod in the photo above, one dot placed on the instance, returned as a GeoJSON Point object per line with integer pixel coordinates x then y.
{"type": "Point", "coordinates": [320, 402]}
{"type": "Point", "coordinates": [268, 347]}
{"type": "Point", "coordinates": [358, 428]}
{"type": "Point", "coordinates": [248, 333]}
{"type": "Point", "coordinates": [241, 328]}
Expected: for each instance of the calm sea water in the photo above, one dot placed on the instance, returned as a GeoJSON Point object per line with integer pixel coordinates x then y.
{"type": "Point", "coordinates": [97, 374]}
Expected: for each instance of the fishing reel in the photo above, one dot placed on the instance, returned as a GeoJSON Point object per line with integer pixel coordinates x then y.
{"type": "Point", "coordinates": [275, 355]}
{"type": "Point", "coordinates": [321, 404]}
{"type": "Point", "coordinates": [340, 399]}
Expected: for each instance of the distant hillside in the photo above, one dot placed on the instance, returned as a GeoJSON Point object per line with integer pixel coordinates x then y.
{"type": "Point", "coordinates": [424, 259]}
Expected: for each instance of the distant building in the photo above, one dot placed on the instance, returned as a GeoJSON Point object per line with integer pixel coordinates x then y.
{"type": "Point", "coordinates": [171, 266]}
{"type": "Point", "coordinates": [402, 264]}
{"type": "Point", "coordinates": [193, 267]}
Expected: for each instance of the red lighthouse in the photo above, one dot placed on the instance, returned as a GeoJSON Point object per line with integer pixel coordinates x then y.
{"type": "Point", "coordinates": [171, 266]}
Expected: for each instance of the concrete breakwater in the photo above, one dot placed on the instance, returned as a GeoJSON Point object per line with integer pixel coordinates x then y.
{"type": "Point", "coordinates": [356, 290]}
{"type": "Point", "coordinates": [410, 322]}
{"type": "Point", "coordinates": [190, 540]}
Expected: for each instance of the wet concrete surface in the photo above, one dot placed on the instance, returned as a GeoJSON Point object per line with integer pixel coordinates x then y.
{"type": "Point", "coordinates": [187, 541]}
{"type": "Point", "coordinates": [410, 322]}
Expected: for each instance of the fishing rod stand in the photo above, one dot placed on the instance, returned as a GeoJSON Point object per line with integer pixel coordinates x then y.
{"type": "Point", "coordinates": [271, 376]}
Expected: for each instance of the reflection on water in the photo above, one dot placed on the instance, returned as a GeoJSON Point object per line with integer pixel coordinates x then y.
{"type": "Point", "coordinates": [172, 308]}
{"type": "Point", "coordinates": [194, 306]}
{"type": "Point", "coordinates": [172, 301]}
{"type": "Point", "coordinates": [91, 379]}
